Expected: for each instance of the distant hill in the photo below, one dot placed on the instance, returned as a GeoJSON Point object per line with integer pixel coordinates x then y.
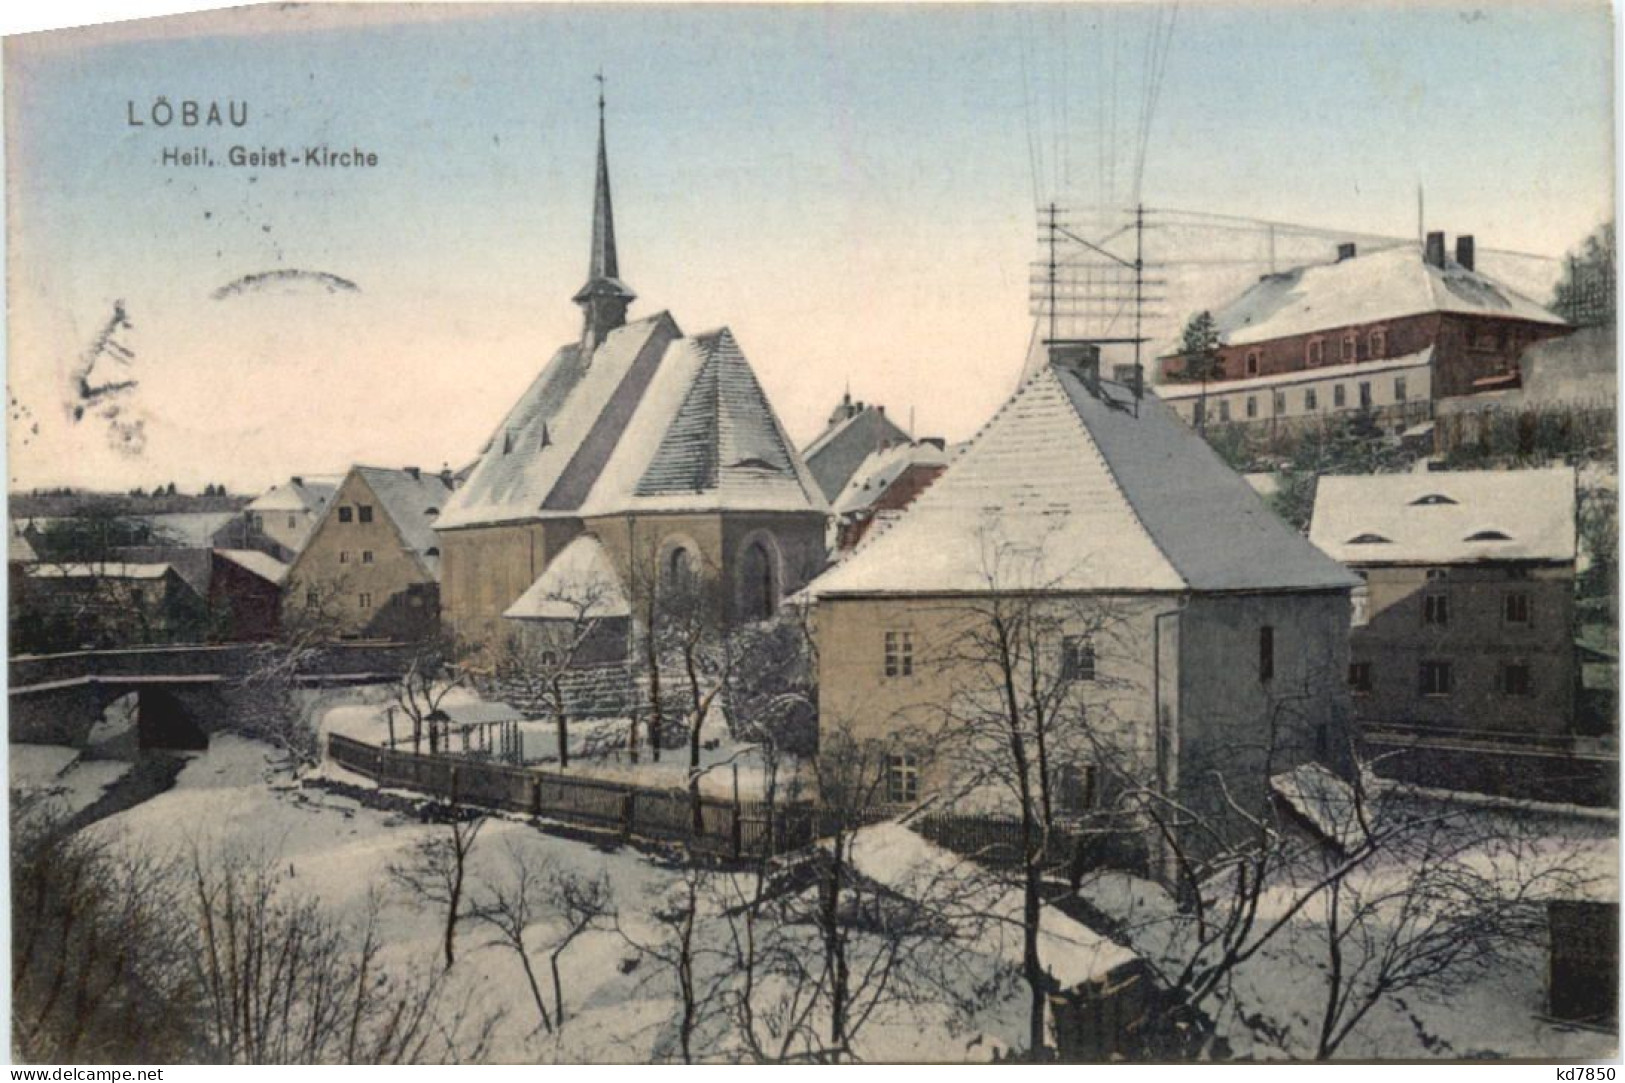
{"type": "Point", "coordinates": [60, 504]}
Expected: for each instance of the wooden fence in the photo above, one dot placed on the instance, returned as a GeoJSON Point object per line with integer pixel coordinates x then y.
{"type": "Point", "coordinates": [728, 828]}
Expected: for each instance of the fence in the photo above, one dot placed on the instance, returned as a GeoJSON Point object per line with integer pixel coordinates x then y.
{"type": "Point", "coordinates": [996, 841]}
{"type": "Point", "coordinates": [728, 828]}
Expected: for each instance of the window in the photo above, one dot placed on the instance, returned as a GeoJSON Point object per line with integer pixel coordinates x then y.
{"type": "Point", "coordinates": [1280, 402]}
{"type": "Point", "coordinates": [1224, 409]}
{"type": "Point", "coordinates": [292, 522]}
{"type": "Point", "coordinates": [1437, 574]}
{"type": "Point", "coordinates": [255, 521]}
{"type": "Point", "coordinates": [1435, 678]}
{"type": "Point", "coordinates": [364, 600]}
{"type": "Point", "coordinates": [1315, 352]}
{"type": "Point", "coordinates": [366, 556]}
{"type": "Point", "coordinates": [1365, 395]}
{"type": "Point", "coordinates": [1311, 401]}
{"type": "Point", "coordinates": [1378, 344]}
{"type": "Point", "coordinates": [1266, 653]}
{"type": "Point", "coordinates": [364, 512]}
{"type": "Point", "coordinates": [344, 556]}
{"type": "Point", "coordinates": [1340, 397]}
{"type": "Point", "coordinates": [899, 654]}
{"type": "Point", "coordinates": [1075, 787]}
{"type": "Point", "coordinates": [313, 598]}
{"type": "Point", "coordinates": [1252, 405]}
{"type": "Point", "coordinates": [1399, 389]}
{"type": "Point", "coordinates": [1431, 500]}
{"type": "Point", "coordinates": [1436, 609]}
{"type": "Point", "coordinates": [1077, 658]}
{"type": "Point", "coordinates": [1515, 679]}
{"type": "Point", "coordinates": [1198, 414]}
{"type": "Point", "coordinates": [1360, 677]}
{"type": "Point", "coordinates": [1252, 362]}
{"type": "Point", "coordinates": [1351, 346]}
{"type": "Point", "coordinates": [1360, 606]}
{"type": "Point", "coordinates": [902, 779]}
{"type": "Point", "coordinates": [346, 514]}
{"type": "Point", "coordinates": [1515, 608]}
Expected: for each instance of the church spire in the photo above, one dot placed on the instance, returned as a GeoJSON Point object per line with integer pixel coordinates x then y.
{"type": "Point", "coordinates": [604, 298]}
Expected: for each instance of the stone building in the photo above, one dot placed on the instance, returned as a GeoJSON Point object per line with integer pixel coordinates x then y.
{"type": "Point", "coordinates": [371, 567]}
{"type": "Point", "coordinates": [1390, 331]}
{"type": "Point", "coordinates": [1465, 620]}
{"type": "Point", "coordinates": [1162, 601]}
{"type": "Point", "coordinates": [287, 512]}
{"type": "Point", "coordinates": [660, 445]}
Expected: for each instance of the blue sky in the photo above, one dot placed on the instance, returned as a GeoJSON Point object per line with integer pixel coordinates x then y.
{"type": "Point", "coordinates": [849, 188]}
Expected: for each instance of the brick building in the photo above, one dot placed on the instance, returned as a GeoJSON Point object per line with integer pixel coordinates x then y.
{"type": "Point", "coordinates": [1388, 331]}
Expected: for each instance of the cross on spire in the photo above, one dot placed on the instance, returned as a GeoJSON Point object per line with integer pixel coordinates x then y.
{"type": "Point", "coordinates": [605, 297]}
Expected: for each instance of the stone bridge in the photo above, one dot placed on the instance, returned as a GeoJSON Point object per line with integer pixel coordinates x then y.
{"type": "Point", "coordinates": [184, 693]}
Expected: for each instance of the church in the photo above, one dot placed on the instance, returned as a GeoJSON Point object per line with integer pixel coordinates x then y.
{"type": "Point", "coordinates": [656, 447]}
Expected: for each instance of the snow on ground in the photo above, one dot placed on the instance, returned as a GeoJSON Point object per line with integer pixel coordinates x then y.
{"type": "Point", "coordinates": [1273, 1010]}
{"type": "Point", "coordinates": [620, 1005]}
{"type": "Point", "coordinates": [57, 773]}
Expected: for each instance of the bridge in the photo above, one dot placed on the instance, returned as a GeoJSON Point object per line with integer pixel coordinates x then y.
{"type": "Point", "coordinates": [183, 692]}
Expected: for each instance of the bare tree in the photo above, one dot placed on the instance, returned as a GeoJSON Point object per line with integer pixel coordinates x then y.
{"type": "Point", "coordinates": [433, 669]}
{"type": "Point", "coordinates": [509, 910]}
{"type": "Point", "coordinates": [436, 869]}
{"type": "Point", "coordinates": [275, 706]}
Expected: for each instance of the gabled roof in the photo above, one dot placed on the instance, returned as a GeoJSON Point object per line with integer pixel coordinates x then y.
{"type": "Point", "coordinates": [1065, 490]}
{"type": "Point", "coordinates": [579, 583]}
{"type": "Point", "coordinates": [854, 433]}
{"type": "Point", "coordinates": [412, 500]}
{"type": "Point", "coordinates": [656, 421]}
{"type": "Point", "coordinates": [877, 473]}
{"type": "Point", "coordinates": [1384, 285]}
{"type": "Point", "coordinates": [108, 570]}
{"type": "Point", "coordinates": [261, 564]}
{"type": "Point", "coordinates": [308, 493]}
{"type": "Point", "coordinates": [1446, 517]}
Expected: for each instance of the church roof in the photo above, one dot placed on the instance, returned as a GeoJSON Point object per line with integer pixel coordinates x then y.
{"type": "Point", "coordinates": [1068, 491]}
{"type": "Point", "coordinates": [656, 421]}
{"type": "Point", "coordinates": [579, 584]}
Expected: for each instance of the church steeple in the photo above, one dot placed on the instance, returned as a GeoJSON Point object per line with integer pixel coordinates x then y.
{"type": "Point", "coordinates": [604, 298]}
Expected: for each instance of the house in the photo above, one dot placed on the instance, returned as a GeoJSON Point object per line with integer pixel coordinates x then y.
{"type": "Point", "coordinates": [855, 431]}
{"type": "Point", "coordinates": [1465, 620]}
{"type": "Point", "coordinates": [1391, 332]}
{"type": "Point", "coordinates": [371, 566]}
{"type": "Point", "coordinates": [660, 445]}
{"type": "Point", "coordinates": [1159, 599]}
{"type": "Point", "coordinates": [883, 485]}
{"type": "Point", "coordinates": [106, 604]}
{"type": "Point", "coordinates": [245, 594]}
{"type": "Point", "coordinates": [287, 512]}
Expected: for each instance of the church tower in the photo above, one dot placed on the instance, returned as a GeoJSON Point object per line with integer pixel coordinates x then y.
{"type": "Point", "coordinates": [605, 297]}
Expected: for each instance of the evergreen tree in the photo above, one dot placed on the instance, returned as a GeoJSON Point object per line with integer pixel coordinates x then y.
{"type": "Point", "coordinates": [1585, 294]}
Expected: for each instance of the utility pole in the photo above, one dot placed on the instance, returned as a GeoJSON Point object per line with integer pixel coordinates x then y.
{"type": "Point", "coordinates": [1139, 300]}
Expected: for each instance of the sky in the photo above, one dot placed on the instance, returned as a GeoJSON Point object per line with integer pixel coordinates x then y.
{"type": "Point", "coordinates": [851, 189]}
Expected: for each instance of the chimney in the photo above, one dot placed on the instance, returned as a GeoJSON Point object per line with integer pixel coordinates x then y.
{"type": "Point", "coordinates": [413, 471]}
{"type": "Point", "coordinates": [1464, 251]}
{"type": "Point", "coordinates": [938, 442]}
{"type": "Point", "coordinates": [1346, 250]}
{"type": "Point", "coordinates": [299, 481]}
{"type": "Point", "coordinates": [446, 475]}
{"type": "Point", "coordinates": [1435, 250]}
{"type": "Point", "coordinates": [1080, 358]}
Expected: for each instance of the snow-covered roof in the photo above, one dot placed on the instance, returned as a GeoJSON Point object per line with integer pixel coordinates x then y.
{"type": "Point", "coordinates": [1174, 392]}
{"type": "Point", "coordinates": [308, 493]}
{"type": "Point", "coordinates": [261, 564]}
{"type": "Point", "coordinates": [192, 529]}
{"type": "Point", "coordinates": [110, 570]}
{"type": "Point", "coordinates": [579, 583]}
{"type": "Point", "coordinates": [1064, 490]}
{"type": "Point", "coordinates": [883, 467]}
{"type": "Point", "coordinates": [18, 549]}
{"type": "Point", "coordinates": [894, 856]}
{"type": "Point", "coordinates": [412, 499]}
{"type": "Point", "coordinates": [1446, 517]}
{"type": "Point", "coordinates": [473, 714]}
{"type": "Point", "coordinates": [652, 421]}
{"type": "Point", "coordinates": [1383, 285]}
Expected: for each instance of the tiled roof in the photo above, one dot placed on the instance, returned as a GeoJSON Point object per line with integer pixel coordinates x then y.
{"type": "Point", "coordinates": [1446, 517]}
{"type": "Point", "coordinates": [1065, 490]}
{"type": "Point", "coordinates": [1384, 285]}
{"type": "Point", "coordinates": [261, 564]}
{"type": "Point", "coordinates": [308, 493]}
{"type": "Point", "coordinates": [877, 473]}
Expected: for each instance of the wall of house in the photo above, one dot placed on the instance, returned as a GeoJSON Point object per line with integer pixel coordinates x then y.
{"type": "Point", "coordinates": [484, 570]}
{"type": "Point", "coordinates": [392, 596]}
{"type": "Point", "coordinates": [1396, 397]}
{"type": "Point", "coordinates": [1234, 720]}
{"type": "Point", "coordinates": [922, 712]}
{"type": "Point", "coordinates": [1476, 642]}
{"type": "Point", "coordinates": [242, 606]}
{"type": "Point", "coordinates": [290, 529]}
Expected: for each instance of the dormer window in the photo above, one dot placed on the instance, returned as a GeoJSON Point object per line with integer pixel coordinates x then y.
{"type": "Point", "coordinates": [1430, 500]}
{"type": "Point", "coordinates": [1315, 352]}
{"type": "Point", "coordinates": [1253, 360]}
{"type": "Point", "coordinates": [1378, 344]}
{"type": "Point", "coordinates": [1368, 539]}
{"type": "Point", "coordinates": [1488, 536]}
{"type": "Point", "coordinates": [1351, 346]}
